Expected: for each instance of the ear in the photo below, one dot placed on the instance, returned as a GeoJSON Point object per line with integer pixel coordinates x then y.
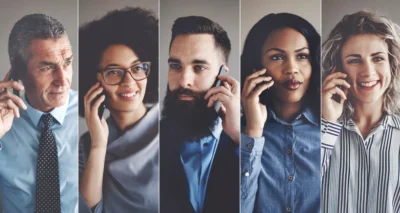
{"type": "Point", "coordinates": [226, 68]}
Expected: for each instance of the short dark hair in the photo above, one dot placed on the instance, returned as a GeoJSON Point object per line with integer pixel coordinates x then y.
{"type": "Point", "coordinates": [28, 28]}
{"type": "Point", "coordinates": [252, 51]}
{"type": "Point", "coordinates": [136, 28]}
{"type": "Point", "coordinates": [199, 25]}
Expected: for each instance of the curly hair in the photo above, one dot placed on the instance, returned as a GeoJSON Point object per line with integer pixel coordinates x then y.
{"type": "Point", "coordinates": [136, 28]}
{"type": "Point", "coordinates": [251, 58]}
{"type": "Point", "coordinates": [364, 22]}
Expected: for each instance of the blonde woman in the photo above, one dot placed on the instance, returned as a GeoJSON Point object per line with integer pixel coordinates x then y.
{"type": "Point", "coordinates": [360, 116]}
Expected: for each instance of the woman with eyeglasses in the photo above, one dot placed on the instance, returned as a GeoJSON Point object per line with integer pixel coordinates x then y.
{"type": "Point", "coordinates": [119, 155]}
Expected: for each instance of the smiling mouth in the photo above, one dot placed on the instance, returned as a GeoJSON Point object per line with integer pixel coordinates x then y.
{"type": "Point", "coordinates": [292, 84]}
{"type": "Point", "coordinates": [129, 95]}
{"type": "Point", "coordinates": [368, 85]}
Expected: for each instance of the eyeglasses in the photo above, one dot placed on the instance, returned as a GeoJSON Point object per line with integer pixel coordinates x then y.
{"type": "Point", "coordinates": [114, 76]}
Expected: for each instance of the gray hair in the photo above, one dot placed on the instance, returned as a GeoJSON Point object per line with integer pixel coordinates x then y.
{"type": "Point", "coordinates": [364, 22]}
{"type": "Point", "coordinates": [28, 28]}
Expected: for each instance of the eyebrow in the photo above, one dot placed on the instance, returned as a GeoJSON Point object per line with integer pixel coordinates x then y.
{"type": "Point", "coordinates": [47, 63]}
{"type": "Point", "coordinates": [174, 60]}
{"type": "Point", "coordinates": [283, 51]}
{"type": "Point", "coordinates": [117, 65]}
{"type": "Point", "coordinates": [359, 56]}
{"type": "Point", "coordinates": [198, 61]}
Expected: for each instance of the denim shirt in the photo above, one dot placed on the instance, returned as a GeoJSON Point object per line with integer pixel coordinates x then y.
{"type": "Point", "coordinates": [280, 171]}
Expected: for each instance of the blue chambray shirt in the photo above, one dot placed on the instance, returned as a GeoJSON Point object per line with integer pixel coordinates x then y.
{"type": "Point", "coordinates": [280, 172]}
{"type": "Point", "coordinates": [19, 151]}
{"type": "Point", "coordinates": [197, 158]}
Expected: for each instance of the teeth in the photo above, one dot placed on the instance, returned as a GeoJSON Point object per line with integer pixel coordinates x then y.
{"type": "Point", "coordinates": [128, 95]}
{"type": "Point", "coordinates": [368, 84]}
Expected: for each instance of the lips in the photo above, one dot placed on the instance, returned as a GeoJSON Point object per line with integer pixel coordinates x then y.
{"type": "Point", "coordinates": [292, 84]}
{"type": "Point", "coordinates": [368, 84]}
{"type": "Point", "coordinates": [128, 95]}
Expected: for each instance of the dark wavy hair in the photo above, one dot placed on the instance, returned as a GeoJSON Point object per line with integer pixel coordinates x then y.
{"type": "Point", "coordinates": [251, 58]}
{"type": "Point", "coordinates": [136, 28]}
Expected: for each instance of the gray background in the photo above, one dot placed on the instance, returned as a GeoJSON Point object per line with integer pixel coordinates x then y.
{"type": "Point", "coordinates": [90, 10]}
{"type": "Point", "coordinates": [334, 10]}
{"type": "Point", "coordinates": [66, 11]}
{"type": "Point", "coordinates": [224, 12]}
{"type": "Point", "coordinates": [254, 10]}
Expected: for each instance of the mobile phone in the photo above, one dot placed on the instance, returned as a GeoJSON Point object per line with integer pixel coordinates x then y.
{"type": "Point", "coordinates": [337, 97]}
{"type": "Point", "coordinates": [217, 83]}
{"type": "Point", "coordinates": [102, 106]}
{"type": "Point", "coordinates": [17, 65]}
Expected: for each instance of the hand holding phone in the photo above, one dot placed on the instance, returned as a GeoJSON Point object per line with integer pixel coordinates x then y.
{"type": "Point", "coordinates": [228, 94]}
{"type": "Point", "coordinates": [255, 112]}
{"type": "Point", "coordinates": [217, 83]}
{"type": "Point", "coordinates": [334, 93]}
{"type": "Point", "coordinates": [9, 103]}
{"type": "Point", "coordinates": [94, 108]}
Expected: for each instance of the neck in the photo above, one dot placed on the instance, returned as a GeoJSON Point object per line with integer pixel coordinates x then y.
{"type": "Point", "coordinates": [367, 115]}
{"type": "Point", "coordinates": [286, 111]}
{"type": "Point", "coordinates": [125, 120]}
{"type": "Point", "coordinates": [36, 104]}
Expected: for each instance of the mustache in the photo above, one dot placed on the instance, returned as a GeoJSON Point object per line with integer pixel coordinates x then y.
{"type": "Point", "coordinates": [187, 92]}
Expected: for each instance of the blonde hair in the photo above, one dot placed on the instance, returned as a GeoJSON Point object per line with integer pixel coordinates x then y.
{"type": "Point", "coordinates": [364, 22]}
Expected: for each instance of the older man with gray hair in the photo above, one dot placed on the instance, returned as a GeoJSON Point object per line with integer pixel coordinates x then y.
{"type": "Point", "coordinates": [38, 144]}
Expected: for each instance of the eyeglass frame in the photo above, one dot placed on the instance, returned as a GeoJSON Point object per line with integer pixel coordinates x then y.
{"type": "Point", "coordinates": [125, 71]}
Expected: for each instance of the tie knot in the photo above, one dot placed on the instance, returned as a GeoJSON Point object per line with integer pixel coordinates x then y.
{"type": "Point", "coordinates": [47, 120]}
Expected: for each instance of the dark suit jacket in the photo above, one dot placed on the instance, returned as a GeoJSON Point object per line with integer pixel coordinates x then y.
{"type": "Point", "coordinates": [222, 194]}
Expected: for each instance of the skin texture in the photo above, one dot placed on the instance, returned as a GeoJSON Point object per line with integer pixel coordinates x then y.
{"type": "Point", "coordinates": [285, 56]}
{"type": "Point", "coordinates": [125, 111]}
{"type": "Point", "coordinates": [49, 74]}
{"type": "Point", "coordinates": [194, 62]}
{"type": "Point", "coordinates": [365, 59]}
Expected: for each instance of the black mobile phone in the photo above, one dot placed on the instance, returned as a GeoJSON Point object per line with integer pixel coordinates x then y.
{"type": "Point", "coordinates": [217, 83]}
{"type": "Point", "coordinates": [102, 106]}
{"type": "Point", "coordinates": [337, 97]}
{"type": "Point", "coordinates": [17, 65]}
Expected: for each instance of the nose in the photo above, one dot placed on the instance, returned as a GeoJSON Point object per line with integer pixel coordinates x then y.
{"type": "Point", "coordinates": [186, 78]}
{"type": "Point", "coordinates": [368, 69]}
{"type": "Point", "coordinates": [291, 66]}
{"type": "Point", "coordinates": [61, 76]}
{"type": "Point", "coordinates": [128, 79]}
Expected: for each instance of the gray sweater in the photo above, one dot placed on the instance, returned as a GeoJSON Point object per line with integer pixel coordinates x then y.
{"type": "Point", "coordinates": [130, 182]}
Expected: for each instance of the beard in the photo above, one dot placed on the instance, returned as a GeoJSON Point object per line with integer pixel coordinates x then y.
{"type": "Point", "coordinates": [191, 120]}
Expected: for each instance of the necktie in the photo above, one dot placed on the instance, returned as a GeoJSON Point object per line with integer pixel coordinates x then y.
{"type": "Point", "coordinates": [47, 177]}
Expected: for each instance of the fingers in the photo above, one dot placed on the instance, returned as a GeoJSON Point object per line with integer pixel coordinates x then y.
{"type": "Point", "coordinates": [260, 88]}
{"type": "Point", "coordinates": [17, 100]}
{"type": "Point", "coordinates": [335, 75]}
{"type": "Point", "coordinates": [9, 104]}
{"type": "Point", "coordinates": [234, 85]}
{"type": "Point", "coordinates": [336, 90]}
{"type": "Point", "coordinates": [93, 92]}
{"type": "Point", "coordinates": [336, 82]}
{"type": "Point", "coordinates": [11, 84]}
{"type": "Point", "coordinates": [96, 104]}
{"type": "Point", "coordinates": [217, 97]}
{"type": "Point", "coordinates": [215, 90]}
{"type": "Point", "coordinates": [253, 83]}
{"type": "Point", "coordinates": [256, 74]}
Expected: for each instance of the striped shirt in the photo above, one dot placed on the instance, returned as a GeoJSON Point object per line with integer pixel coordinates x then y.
{"type": "Point", "coordinates": [360, 175]}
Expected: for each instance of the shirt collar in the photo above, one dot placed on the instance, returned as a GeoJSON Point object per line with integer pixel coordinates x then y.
{"type": "Point", "coordinates": [217, 130]}
{"type": "Point", "coordinates": [58, 113]}
{"type": "Point", "coordinates": [306, 113]}
{"type": "Point", "coordinates": [388, 120]}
